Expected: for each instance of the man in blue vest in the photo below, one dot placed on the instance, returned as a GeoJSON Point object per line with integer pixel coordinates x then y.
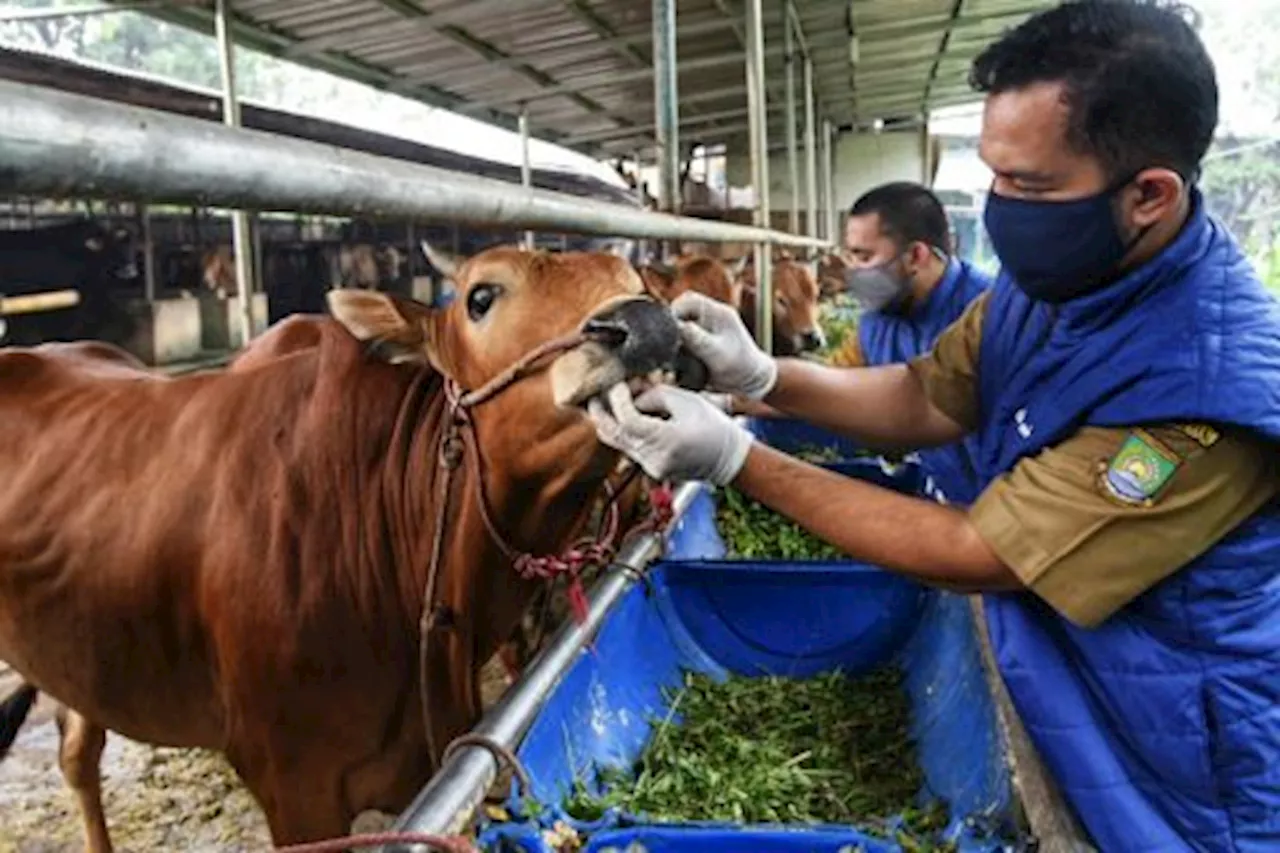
{"type": "Point", "coordinates": [896, 241]}
{"type": "Point", "coordinates": [1123, 378]}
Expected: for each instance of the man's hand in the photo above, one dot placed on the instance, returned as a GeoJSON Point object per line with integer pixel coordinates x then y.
{"type": "Point", "coordinates": [716, 335]}
{"type": "Point", "coordinates": [694, 441]}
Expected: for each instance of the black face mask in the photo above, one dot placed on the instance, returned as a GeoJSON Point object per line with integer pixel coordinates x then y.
{"type": "Point", "coordinates": [1056, 251]}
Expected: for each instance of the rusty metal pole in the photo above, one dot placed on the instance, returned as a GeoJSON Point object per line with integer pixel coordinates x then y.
{"type": "Point", "coordinates": [793, 160]}
{"type": "Point", "coordinates": [666, 105]}
{"type": "Point", "coordinates": [810, 153]}
{"type": "Point", "coordinates": [759, 126]}
{"type": "Point", "coordinates": [526, 166]}
{"type": "Point", "coordinates": [148, 253]}
{"type": "Point", "coordinates": [240, 237]}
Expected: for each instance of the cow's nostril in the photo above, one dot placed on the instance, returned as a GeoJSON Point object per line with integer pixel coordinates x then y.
{"type": "Point", "coordinates": [611, 333]}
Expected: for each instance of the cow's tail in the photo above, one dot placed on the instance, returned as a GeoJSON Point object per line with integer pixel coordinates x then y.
{"type": "Point", "coordinates": [13, 713]}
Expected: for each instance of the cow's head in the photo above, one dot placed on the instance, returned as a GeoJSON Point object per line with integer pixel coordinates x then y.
{"type": "Point", "coordinates": [831, 271]}
{"type": "Point", "coordinates": [703, 274]}
{"type": "Point", "coordinates": [508, 302]}
{"type": "Point", "coordinates": [113, 250]}
{"type": "Point", "coordinates": [795, 307]}
{"type": "Point", "coordinates": [218, 270]}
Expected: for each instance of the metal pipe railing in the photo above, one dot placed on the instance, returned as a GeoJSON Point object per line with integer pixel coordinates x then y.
{"type": "Point", "coordinates": [449, 800]}
{"type": "Point", "coordinates": [58, 144]}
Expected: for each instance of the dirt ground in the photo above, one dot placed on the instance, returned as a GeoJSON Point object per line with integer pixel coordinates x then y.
{"type": "Point", "coordinates": [155, 798]}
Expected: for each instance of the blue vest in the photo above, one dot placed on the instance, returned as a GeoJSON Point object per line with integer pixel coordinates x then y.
{"type": "Point", "coordinates": [1162, 725]}
{"type": "Point", "coordinates": [949, 472]}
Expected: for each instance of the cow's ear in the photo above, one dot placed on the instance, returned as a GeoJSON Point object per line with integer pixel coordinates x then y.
{"type": "Point", "coordinates": [400, 331]}
{"type": "Point", "coordinates": [738, 267]}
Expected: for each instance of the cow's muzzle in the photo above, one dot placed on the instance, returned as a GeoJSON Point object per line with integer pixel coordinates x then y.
{"type": "Point", "coordinates": [636, 338]}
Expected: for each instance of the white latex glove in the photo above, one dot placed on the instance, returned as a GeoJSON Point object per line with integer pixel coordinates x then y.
{"type": "Point", "coordinates": [715, 333]}
{"type": "Point", "coordinates": [723, 402]}
{"type": "Point", "coordinates": [695, 441]}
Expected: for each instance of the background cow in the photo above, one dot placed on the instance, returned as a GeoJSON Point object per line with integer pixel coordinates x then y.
{"type": "Point", "coordinates": [700, 273]}
{"type": "Point", "coordinates": [796, 311]}
{"type": "Point", "coordinates": [253, 582]}
{"type": "Point", "coordinates": [364, 266]}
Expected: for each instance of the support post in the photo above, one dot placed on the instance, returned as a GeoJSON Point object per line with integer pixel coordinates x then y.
{"type": "Point", "coordinates": [793, 162]}
{"type": "Point", "coordinates": [526, 167]}
{"type": "Point", "coordinates": [666, 105]}
{"type": "Point", "coordinates": [829, 180]}
{"type": "Point", "coordinates": [759, 116]}
{"type": "Point", "coordinates": [810, 152]}
{"type": "Point", "coordinates": [240, 238]}
{"type": "Point", "coordinates": [823, 161]}
{"type": "Point", "coordinates": [148, 253]}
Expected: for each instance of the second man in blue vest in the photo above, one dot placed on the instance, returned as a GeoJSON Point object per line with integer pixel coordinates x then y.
{"type": "Point", "coordinates": [910, 288]}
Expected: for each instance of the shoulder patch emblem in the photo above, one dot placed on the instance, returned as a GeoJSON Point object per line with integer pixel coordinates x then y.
{"type": "Point", "coordinates": [1203, 434]}
{"type": "Point", "coordinates": [1138, 470]}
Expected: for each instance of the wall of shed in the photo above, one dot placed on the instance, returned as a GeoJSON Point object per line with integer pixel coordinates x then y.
{"type": "Point", "coordinates": [862, 161]}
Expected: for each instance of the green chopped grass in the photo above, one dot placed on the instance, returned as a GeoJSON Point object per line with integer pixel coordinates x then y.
{"type": "Point", "coordinates": [774, 750]}
{"type": "Point", "coordinates": [752, 531]}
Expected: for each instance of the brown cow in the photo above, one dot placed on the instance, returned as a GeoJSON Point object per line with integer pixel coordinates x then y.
{"type": "Point", "coordinates": [795, 306]}
{"type": "Point", "coordinates": [831, 273]}
{"type": "Point", "coordinates": [218, 271]}
{"type": "Point", "coordinates": [700, 273]}
{"type": "Point", "coordinates": [237, 560]}
{"type": "Point", "coordinates": [367, 267]}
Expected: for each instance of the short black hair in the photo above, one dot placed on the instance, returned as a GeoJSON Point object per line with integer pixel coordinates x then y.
{"type": "Point", "coordinates": [909, 212]}
{"type": "Point", "coordinates": [1139, 84]}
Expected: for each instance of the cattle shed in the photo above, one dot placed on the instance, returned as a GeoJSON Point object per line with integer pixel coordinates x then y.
{"type": "Point", "coordinates": [840, 89]}
{"type": "Point", "coordinates": [809, 97]}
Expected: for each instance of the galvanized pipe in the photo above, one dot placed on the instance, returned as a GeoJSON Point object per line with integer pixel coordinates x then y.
{"type": "Point", "coordinates": [810, 152]}
{"type": "Point", "coordinates": [759, 132]}
{"type": "Point", "coordinates": [793, 162]}
{"type": "Point", "coordinates": [526, 167]}
{"type": "Point", "coordinates": [666, 105]}
{"type": "Point", "coordinates": [239, 218]}
{"type": "Point", "coordinates": [56, 144]}
{"type": "Point", "coordinates": [446, 804]}
{"type": "Point", "coordinates": [829, 179]}
{"type": "Point", "coordinates": [824, 160]}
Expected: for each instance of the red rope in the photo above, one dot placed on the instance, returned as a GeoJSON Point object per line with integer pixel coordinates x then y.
{"type": "Point", "coordinates": [447, 843]}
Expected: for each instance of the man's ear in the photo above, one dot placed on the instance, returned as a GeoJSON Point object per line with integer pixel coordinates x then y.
{"type": "Point", "coordinates": [402, 331]}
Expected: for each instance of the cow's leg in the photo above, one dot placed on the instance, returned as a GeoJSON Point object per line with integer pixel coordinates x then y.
{"type": "Point", "coordinates": [301, 803]}
{"type": "Point", "coordinates": [80, 755]}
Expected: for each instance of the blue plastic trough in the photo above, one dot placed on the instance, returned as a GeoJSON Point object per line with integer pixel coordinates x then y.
{"type": "Point", "coordinates": [701, 612]}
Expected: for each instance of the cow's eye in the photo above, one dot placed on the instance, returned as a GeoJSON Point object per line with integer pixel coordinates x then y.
{"type": "Point", "coordinates": [481, 299]}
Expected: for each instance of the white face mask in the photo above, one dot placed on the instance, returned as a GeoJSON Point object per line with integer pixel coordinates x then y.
{"type": "Point", "coordinates": [876, 288]}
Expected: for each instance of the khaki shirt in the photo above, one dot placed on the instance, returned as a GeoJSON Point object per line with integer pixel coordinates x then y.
{"type": "Point", "coordinates": [1091, 523]}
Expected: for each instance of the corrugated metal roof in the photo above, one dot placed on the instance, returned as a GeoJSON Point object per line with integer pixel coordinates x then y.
{"type": "Point", "coordinates": [583, 68]}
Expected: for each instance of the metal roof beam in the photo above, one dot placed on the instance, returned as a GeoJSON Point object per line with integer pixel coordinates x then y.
{"type": "Point", "coordinates": [622, 133]}
{"type": "Point", "coordinates": [956, 11]}
{"type": "Point", "coordinates": [489, 52]}
{"type": "Point", "coordinates": [583, 12]}
{"type": "Point", "coordinates": [274, 44]}
{"type": "Point", "coordinates": [921, 25]}
{"type": "Point", "coordinates": [462, 12]}
{"type": "Point", "coordinates": [640, 75]}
